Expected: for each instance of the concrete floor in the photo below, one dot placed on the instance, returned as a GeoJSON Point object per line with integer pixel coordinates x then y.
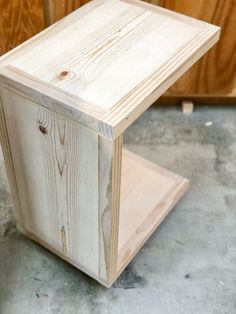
{"type": "Point", "coordinates": [188, 265]}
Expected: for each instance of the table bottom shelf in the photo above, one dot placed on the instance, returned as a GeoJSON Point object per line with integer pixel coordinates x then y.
{"type": "Point", "coordinates": [148, 193]}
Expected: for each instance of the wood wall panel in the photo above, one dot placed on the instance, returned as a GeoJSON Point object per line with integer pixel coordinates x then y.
{"type": "Point", "coordinates": [156, 2]}
{"type": "Point", "coordinates": [19, 20]}
{"type": "Point", "coordinates": [215, 72]}
{"type": "Point", "coordinates": [57, 9]}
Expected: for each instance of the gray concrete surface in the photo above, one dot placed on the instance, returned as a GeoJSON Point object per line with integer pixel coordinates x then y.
{"type": "Point", "coordinates": [188, 265]}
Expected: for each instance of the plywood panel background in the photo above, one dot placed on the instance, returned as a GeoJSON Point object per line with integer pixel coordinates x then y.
{"type": "Point", "coordinates": [215, 72]}
{"type": "Point", "coordinates": [57, 9]}
{"type": "Point", "coordinates": [19, 20]}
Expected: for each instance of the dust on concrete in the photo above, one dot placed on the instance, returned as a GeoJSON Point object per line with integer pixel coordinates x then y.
{"type": "Point", "coordinates": [129, 279]}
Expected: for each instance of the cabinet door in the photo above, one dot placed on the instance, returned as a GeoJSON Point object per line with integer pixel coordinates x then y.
{"type": "Point", "coordinates": [215, 72]}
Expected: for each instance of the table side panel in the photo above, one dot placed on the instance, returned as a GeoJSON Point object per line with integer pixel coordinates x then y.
{"type": "Point", "coordinates": [110, 164]}
{"type": "Point", "coordinates": [56, 167]}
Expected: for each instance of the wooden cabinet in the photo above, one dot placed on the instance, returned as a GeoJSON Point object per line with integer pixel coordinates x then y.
{"type": "Point", "coordinates": [212, 77]}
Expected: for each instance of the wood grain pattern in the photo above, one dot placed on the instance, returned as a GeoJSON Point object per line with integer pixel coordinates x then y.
{"type": "Point", "coordinates": [110, 158]}
{"type": "Point", "coordinates": [156, 2]}
{"type": "Point", "coordinates": [140, 216]}
{"type": "Point", "coordinates": [6, 149]}
{"type": "Point", "coordinates": [55, 100]}
{"type": "Point", "coordinates": [57, 9]}
{"type": "Point", "coordinates": [19, 21]}
{"type": "Point", "coordinates": [91, 56]}
{"type": "Point", "coordinates": [48, 164]}
{"type": "Point", "coordinates": [55, 160]}
{"type": "Point", "coordinates": [215, 73]}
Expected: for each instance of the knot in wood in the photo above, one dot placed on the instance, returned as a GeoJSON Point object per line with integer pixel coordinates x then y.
{"type": "Point", "coordinates": [42, 129]}
{"type": "Point", "coordinates": [63, 74]}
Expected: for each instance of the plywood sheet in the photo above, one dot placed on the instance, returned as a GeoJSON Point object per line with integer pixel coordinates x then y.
{"type": "Point", "coordinates": [215, 73]}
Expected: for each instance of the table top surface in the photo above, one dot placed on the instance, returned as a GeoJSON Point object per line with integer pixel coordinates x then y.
{"type": "Point", "coordinates": [114, 57]}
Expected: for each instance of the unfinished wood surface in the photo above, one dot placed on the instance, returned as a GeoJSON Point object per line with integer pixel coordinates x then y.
{"type": "Point", "coordinates": [6, 149]}
{"type": "Point", "coordinates": [55, 100]}
{"type": "Point", "coordinates": [187, 106]}
{"type": "Point", "coordinates": [19, 21]}
{"type": "Point", "coordinates": [86, 63]}
{"type": "Point", "coordinates": [55, 161]}
{"type": "Point", "coordinates": [148, 193]}
{"type": "Point", "coordinates": [110, 160]}
{"type": "Point", "coordinates": [102, 43]}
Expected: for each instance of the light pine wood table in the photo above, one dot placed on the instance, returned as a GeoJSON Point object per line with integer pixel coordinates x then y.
{"type": "Point", "coordinates": [67, 97]}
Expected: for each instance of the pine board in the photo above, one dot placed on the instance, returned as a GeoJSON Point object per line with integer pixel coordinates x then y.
{"type": "Point", "coordinates": [55, 161]}
{"type": "Point", "coordinates": [148, 193]}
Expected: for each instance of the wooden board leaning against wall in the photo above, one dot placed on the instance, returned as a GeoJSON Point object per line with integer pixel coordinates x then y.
{"type": "Point", "coordinates": [212, 79]}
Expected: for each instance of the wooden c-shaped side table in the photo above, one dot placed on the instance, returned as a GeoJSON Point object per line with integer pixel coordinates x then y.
{"type": "Point", "coordinates": [67, 96]}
